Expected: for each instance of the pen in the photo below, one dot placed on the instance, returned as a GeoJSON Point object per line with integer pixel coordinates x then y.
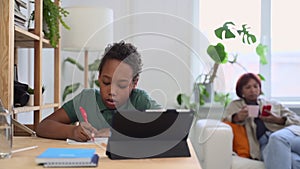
{"type": "Point", "coordinates": [24, 149]}
{"type": "Point", "coordinates": [84, 115]}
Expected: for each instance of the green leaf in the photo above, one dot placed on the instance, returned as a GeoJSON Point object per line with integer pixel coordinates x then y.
{"type": "Point", "coordinates": [229, 34]}
{"type": "Point", "coordinates": [31, 90]}
{"type": "Point", "coordinates": [222, 98]}
{"type": "Point", "coordinates": [217, 53]}
{"type": "Point", "coordinates": [70, 89]}
{"type": "Point", "coordinates": [246, 36]}
{"type": "Point", "coordinates": [261, 51]}
{"type": "Point", "coordinates": [74, 62]}
{"type": "Point", "coordinates": [261, 77]}
{"type": "Point", "coordinates": [53, 15]}
{"type": "Point", "coordinates": [251, 39]}
{"type": "Point", "coordinates": [203, 93]}
{"type": "Point", "coordinates": [218, 32]}
{"type": "Point", "coordinates": [225, 28]}
{"type": "Point", "coordinates": [95, 65]}
{"type": "Point", "coordinates": [97, 83]}
{"type": "Point", "coordinates": [183, 100]}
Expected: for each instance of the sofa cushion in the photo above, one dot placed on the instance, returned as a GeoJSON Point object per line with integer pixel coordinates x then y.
{"type": "Point", "coordinates": [240, 140]}
{"type": "Point", "coordinates": [246, 163]}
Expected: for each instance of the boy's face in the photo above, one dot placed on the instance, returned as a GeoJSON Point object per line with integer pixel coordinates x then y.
{"type": "Point", "coordinates": [116, 83]}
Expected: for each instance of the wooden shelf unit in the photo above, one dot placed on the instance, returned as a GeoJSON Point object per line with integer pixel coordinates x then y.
{"type": "Point", "coordinates": [13, 37]}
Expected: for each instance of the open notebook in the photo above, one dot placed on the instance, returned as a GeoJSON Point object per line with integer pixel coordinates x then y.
{"type": "Point", "coordinates": [149, 134]}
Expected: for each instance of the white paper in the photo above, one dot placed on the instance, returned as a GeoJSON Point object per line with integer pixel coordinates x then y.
{"type": "Point", "coordinates": [98, 140]}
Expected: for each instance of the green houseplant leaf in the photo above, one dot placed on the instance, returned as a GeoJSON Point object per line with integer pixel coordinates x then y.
{"type": "Point", "coordinates": [261, 77]}
{"type": "Point", "coordinates": [93, 69]}
{"type": "Point", "coordinates": [246, 36]}
{"type": "Point", "coordinates": [70, 89]}
{"type": "Point", "coordinates": [31, 90]}
{"type": "Point", "coordinates": [261, 51]}
{"type": "Point", "coordinates": [53, 15]}
{"type": "Point", "coordinates": [217, 53]}
{"type": "Point", "coordinates": [52, 18]}
{"type": "Point", "coordinates": [184, 100]}
{"type": "Point", "coordinates": [225, 28]}
{"type": "Point", "coordinates": [95, 65]}
{"type": "Point", "coordinates": [74, 62]}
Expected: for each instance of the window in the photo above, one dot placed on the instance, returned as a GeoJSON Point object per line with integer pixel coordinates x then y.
{"type": "Point", "coordinates": [213, 14]}
{"type": "Point", "coordinates": [275, 21]}
{"type": "Point", "coordinates": [285, 50]}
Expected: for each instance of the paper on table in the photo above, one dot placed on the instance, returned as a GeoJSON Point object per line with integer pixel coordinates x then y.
{"type": "Point", "coordinates": [98, 140]}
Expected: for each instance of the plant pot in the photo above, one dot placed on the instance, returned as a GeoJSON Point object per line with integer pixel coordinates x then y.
{"type": "Point", "coordinates": [31, 100]}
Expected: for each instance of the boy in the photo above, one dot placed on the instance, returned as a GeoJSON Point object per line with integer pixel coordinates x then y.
{"type": "Point", "coordinates": [118, 76]}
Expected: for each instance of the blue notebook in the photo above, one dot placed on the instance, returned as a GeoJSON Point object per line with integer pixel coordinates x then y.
{"type": "Point", "coordinates": [68, 157]}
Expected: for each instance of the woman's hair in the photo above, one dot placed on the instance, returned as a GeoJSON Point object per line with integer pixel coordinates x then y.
{"type": "Point", "coordinates": [243, 80]}
{"type": "Point", "coordinates": [125, 52]}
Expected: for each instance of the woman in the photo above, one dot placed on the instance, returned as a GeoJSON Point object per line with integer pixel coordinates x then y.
{"type": "Point", "coordinates": [269, 137]}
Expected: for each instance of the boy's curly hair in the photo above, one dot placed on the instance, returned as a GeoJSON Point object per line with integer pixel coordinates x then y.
{"type": "Point", "coordinates": [125, 52]}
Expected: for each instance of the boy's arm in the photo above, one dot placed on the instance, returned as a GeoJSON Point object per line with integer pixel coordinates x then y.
{"type": "Point", "coordinates": [57, 126]}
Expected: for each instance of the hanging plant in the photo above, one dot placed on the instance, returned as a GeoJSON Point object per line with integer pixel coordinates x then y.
{"type": "Point", "coordinates": [52, 17]}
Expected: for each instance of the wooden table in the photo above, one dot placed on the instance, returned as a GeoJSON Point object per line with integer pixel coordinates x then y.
{"type": "Point", "coordinates": [26, 159]}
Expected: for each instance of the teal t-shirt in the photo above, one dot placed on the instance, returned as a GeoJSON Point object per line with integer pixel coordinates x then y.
{"type": "Point", "coordinates": [98, 114]}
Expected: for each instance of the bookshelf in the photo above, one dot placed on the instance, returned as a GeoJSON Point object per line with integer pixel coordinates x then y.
{"type": "Point", "coordinates": [13, 37]}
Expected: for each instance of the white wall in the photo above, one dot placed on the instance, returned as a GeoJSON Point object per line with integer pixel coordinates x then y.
{"type": "Point", "coordinates": [164, 32]}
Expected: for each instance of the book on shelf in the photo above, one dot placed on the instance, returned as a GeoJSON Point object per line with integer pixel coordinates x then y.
{"type": "Point", "coordinates": [68, 157]}
{"type": "Point", "coordinates": [19, 18]}
{"type": "Point", "coordinates": [21, 3]}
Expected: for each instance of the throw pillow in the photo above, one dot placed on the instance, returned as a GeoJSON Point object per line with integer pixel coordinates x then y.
{"type": "Point", "coordinates": [240, 140]}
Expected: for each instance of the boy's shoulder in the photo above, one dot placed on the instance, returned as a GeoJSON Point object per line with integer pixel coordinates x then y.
{"type": "Point", "coordinates": [139, 95]}
{"type": "Point", "coordinates": [89, 91]}
{"type": "Point", "coordinates": [137, 91]}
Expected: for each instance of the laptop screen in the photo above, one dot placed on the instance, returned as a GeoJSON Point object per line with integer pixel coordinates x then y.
{"type": "Point", "coordinates": [150, 133]}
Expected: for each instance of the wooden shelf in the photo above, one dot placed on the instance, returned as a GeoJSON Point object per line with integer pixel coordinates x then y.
{"type": "Point", "coordinates": [25, 39]}
{"type": "Point", "coordinates": [23, 109]}
{"type": "Point", "coordinates": [14, 37]}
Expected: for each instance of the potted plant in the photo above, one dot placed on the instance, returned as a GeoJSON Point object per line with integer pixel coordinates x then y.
{"type": "Point", "coordinates": [93, 80]}
{"type": "Point", "coordinates": [30, 91]}
{"type": "Point", "coordinates": [219, 55]}
{"type": "Point", "coordinates": [52, 17]}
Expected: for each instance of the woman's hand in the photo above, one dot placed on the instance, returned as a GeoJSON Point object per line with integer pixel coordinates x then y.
{"type": "Point", "coordinates": [241, 115]}
{"type": "Point", "coordinates": [273, 118]}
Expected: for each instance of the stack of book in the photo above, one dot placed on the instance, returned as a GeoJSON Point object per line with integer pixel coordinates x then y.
{"type": "Point", "coordinates": [20, 18]}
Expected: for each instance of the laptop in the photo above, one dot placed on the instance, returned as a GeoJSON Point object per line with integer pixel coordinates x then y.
{"type": "Point", "coordinates": [150, 134]}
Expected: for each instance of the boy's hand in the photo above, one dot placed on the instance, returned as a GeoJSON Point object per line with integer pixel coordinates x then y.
{"type": "Point", "coordinates": [79, 134]}
{"type": "Point", "coordinates": [88, 129]}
